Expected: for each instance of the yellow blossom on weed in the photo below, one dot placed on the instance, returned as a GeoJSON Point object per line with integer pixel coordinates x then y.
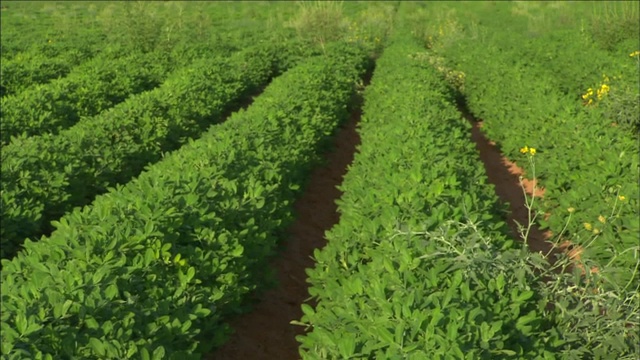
{"type": "Point", "coordinates": [596, 231]}
{"type": "Point", "coordinates": [571, 210]}
{"type": "Point", "coordinates": [602, 219]}
{"type": "Point", "coordinates": [622, 198]}
{"type": "Point", "coordinates": [524, 150]}
{"type": "Point", "coordinates": [588, 226]}
{"type": "Point", "coordinates": [532, 151]}
{"type": "Point", "coordinates": [635, 53]}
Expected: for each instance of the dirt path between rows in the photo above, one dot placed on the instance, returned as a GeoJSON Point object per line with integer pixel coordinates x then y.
{"type": "Point", "coordinates": [505, 175]}
{"type": "Point", "coordinates": [266, 332]}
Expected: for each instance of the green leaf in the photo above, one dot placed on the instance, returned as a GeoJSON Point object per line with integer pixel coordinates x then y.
{"type": "Point", "coordinates": [307, 309]}
{"type": "Point", "coordinates": [457, 279]}
{"type": "Point", "coordinates": [526, 295]}
{"type": "Point", "coordinates": [159, 353]}
{"type": "Point", "coordinates": [144, 354]}
{"type": "Point", "coordinates": [111, 291]}
{"type": "Point", "coordinates": [21, 323]}
{"type": "Point", "coordinates": [149, 256]}
{"type": "Point", "coordinates": [91, 323]}
{"type": "Point", "coordinates": [524, 320]}
{"type": "Point", "coordinates": [97, 346]}
{"type": "Point", "coordinates": [385, 335]}
{"type": "Point", "coordinates": [191, 273]}
{"type": "Point", "coordinates": [485, 334]}
{"type": "Point", "coordinates": [65, 307]}
{"type": "Point", "coordinates": [347, 345]}
{"type": "Point", "coordinates": [237, 251]}
{"type": "Point", "coordinates": [500, 282]}
{"type": "Point", "coordinates": [99, 274]}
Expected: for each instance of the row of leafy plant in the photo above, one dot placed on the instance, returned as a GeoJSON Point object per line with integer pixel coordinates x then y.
{"type": "Point", "coordinates": [587, 166]}
{"type": "Point", "coordinates": [418, 266]}
{"type": "Point", "coordinates": [26, 70]}
{"type": "Point", "coordinates": [47, 27]}
{"type": "Point", "coordinates": [95, 86]}
{"type": "Point", "coordinates": [152, 268]}
{"type": "Point", "coordinates": [88, 90]}
{"type": "Point", "coordinates": [567, 51]}
{"type": "Point", "coordinates": [47, 175]}
{"type": "Point", "coordinates": [108, 29]}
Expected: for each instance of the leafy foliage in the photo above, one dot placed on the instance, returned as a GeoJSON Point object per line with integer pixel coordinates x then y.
{"type": "Point", "coordinates": [88, 90]}
{"type": "Point", "coordinates": [151, 268]}
{"type": "Point", "coordinates": [45, 176]}
{"type": "Point", "coordinates": [419, 266]}
{"type": "Point", "coordinates": [586, 159]}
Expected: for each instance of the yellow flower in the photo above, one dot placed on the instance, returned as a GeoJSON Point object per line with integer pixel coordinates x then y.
{"type": "Point", "coordinates": [524, 150]}
{"type": "Point", "coordinates": [588, 226]}
{"type": "Point", "coordinates": [622, 198]}
{"type": "Point", "coordinates": [596, 231]}
{"type": "Point", "coordinates": [571, 210]}
{"type": "Point", "coordinates": [602, 219]}
{"type": "Point", "coordinates": [532, 151]}
{"type": "Point", "coordinates": [635, 53]}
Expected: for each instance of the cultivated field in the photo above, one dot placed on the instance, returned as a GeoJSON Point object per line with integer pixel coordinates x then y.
{"type": "Point", "coordinates": [320, 180]}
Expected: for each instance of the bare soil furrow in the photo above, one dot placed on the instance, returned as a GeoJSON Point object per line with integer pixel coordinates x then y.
{"type": "Point", "coordinates": [266, 332]}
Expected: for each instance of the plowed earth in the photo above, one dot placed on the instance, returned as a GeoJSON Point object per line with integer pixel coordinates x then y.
{"type": "Point", "coordinates": [266, 333]}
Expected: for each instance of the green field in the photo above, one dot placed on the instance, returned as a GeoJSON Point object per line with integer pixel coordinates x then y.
{"type": "Point", "coordinates": [170, 169]}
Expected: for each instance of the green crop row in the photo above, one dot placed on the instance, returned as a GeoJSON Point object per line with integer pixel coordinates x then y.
{"type": "Point", "coordinates": [587, 166]}
{"type": "Point", "coordinates": [386, 296]}
{"type": "Point", "coordinates": [567, 53]}
{"type": "Point", "coordinates": [26, 70]}
{"type": "Point", "coordinates": [418, 266]}
{"type": "Point", "coordinates": [94, 87]}
{"type": "Point", "coordinates": [557, 39]}
{"type": "Point", "coordinates": [151, 269]}
{"type": "Point", "coordinates": [18, 74]}
{"type": "Point", "coordinates": [52, 49]}
{"type": "Point", "coordinates": [38, 39]}
{"type": "Point", "coordinates": [47, 175]}
{"type": "Point", "coordinates": [88, 90]}
{"type": "Point", "coordinates": [48, 28]}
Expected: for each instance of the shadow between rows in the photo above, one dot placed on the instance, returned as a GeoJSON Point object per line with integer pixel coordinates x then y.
{"type": "Point", "coordinates": [505, 175]}
{"type": "Point", "coordinates": [266, 332]}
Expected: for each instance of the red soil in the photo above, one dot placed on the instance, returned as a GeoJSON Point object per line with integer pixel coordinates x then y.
{"type": "Point", "coordinates": [266, 332]}
{"type": "Point", "coordinates": [505, 175]}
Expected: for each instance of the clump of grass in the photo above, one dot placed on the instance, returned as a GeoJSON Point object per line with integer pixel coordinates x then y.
{"type": "Point", "coordinates": [439, 30]}
{"type": "Point", "coordinates": [319, 22]}
{"type": "Point", "coordinates": [615, 22]}
{"type": "Point", "coordinates": [623, 107]}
